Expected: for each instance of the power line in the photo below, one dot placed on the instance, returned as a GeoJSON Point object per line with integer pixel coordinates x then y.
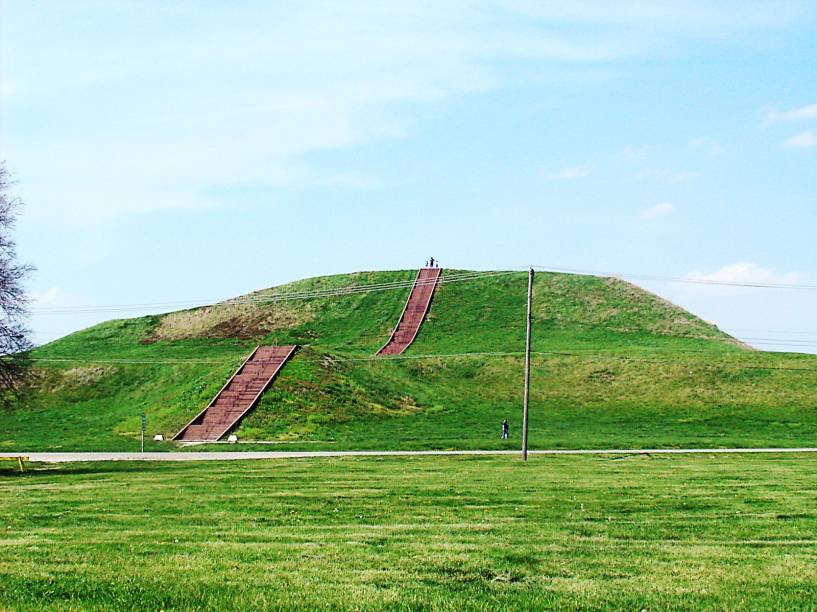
{"type": "Point", "coordinates": [547, 324]}
{"type": "Point", "coordinates": [783, 340]}
{"type": "Point", "coordinates": [440, 356]}
{"type": "Point", "coordinates": [568, 325]}
{"type": "Point", "coordinates": [623, 331]}
{"type": "Point", "coordinates": [264, 296]}
{"type": "Point", "coordinates": [260, 297]}
{"type": "Point", "coordinates": [267, 298]}
{"type": "Point", "coordinates": [775, 331]}
{"type": "Point", "coordinates": [587, 356]}
{"type": "Point", "coordinates": [679, 279]}
{"type": "Point", "coordinates": [114, 361]}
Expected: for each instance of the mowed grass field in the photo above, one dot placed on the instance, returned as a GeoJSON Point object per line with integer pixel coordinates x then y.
{"type": "Point", "coordinates": [646, 532]}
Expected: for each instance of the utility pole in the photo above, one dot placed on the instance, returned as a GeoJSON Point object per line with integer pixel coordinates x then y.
{"type": "Point", "coordinates": [527, 369]}
{"type": "Point", "coordinates": [144, 425]}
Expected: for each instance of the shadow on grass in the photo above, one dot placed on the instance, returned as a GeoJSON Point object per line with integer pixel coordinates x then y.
{"type": "Point", "coordinates": [92, 467]}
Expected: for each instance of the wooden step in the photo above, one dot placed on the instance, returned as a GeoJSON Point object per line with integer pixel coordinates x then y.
{"type": "Point", "coordinates": [414, 312]}
{"type": "Point", "coordinates": [239, 395]}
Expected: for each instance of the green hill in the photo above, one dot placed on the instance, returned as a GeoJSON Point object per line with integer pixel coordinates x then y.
{"type": "Point", "coordinates": [615, 366]}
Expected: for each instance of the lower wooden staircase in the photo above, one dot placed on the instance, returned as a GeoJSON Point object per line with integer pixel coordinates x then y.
{"type": "Point", "coordinates": [239, 395]}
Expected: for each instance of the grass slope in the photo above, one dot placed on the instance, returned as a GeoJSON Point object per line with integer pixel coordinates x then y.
{"type": "Point", "coordinates": [441, 533]}
{"type": "Point", "coordinates": [618, 367]}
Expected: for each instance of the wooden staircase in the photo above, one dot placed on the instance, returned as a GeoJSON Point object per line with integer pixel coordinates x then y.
{"type": "Point", "coordinates": [414, 313]}
{"type": "Point", "coordinates": [239, 395]}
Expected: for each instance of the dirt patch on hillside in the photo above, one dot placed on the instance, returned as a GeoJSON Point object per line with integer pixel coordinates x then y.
{"type": "Point", "coordinates": [231, 320]}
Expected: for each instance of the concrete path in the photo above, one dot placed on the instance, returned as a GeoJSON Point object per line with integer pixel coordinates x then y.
{"type": "Point", "coordinates": [239, 455]}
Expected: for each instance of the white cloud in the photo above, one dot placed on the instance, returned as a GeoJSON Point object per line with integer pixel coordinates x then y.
{"type": "Point", "coordinates": [48, 322]}
{"type": "Point", "coordinates": [661, 209]}
{"type": "Point", "coordinates": [748, 272]}
{"type": "Point", "coordinates": [705, 18]}
{"type": "Point", "coordinates": [48, 297]}
{"type": "Point", "coordinates": [677, 176]}
{"type": "Point", "coordinates": [569, 174]}
{"type": "Point", "coordinates": [745, 312]}
{"type": "Point", "coordinates": [634, 153]}
{"type": "Point", "coordinates": [706, 144]}
{"type": "Point", "coordinates": [350, 180]}
{"type": "Point", "coordinates": [10, 88]}
{"type": "Point", "coordinates": [150, 110]}
{"type": "Point", "coordinates": [772, 115]}
{"type": "Point", "coordinates": [803, 140]}
{"type": "Point", "coordinates": [53, 297]}
{"type": "Point", "coordinates": [682, 176]}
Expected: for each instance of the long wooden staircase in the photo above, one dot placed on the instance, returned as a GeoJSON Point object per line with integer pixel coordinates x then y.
{"type": "Point", "coordinates": [414, 313]}
{"type": "Point", "coordinates": [239, 395]}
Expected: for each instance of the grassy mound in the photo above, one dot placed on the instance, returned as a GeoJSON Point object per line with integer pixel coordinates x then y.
{"type": "Point", "coordinates": [614, 366]}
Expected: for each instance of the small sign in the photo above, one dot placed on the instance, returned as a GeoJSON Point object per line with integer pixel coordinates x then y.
{"type": "Point", "coordinates": [144, 421]}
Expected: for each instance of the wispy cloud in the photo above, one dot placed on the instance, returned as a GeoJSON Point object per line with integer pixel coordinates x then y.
{"type": "Point", "coordinates": [194, 96]}
{"type": "Point", "coordinates": [671, 176]}
{"type": "Point", "coordinates": [748, 272]}
{"type": "Point", "coordinates": [772, 115]}
{"type": "Point", "coordinates": [803, 140]}
{"type": "Point", "coordinates": [662, 209]}
{"type": "Point", "coordinates": [49, 327]}
{"type": "Point", "coordinates": [47, 297]}
{"type": "Point", "coordinates": [706, 144]}
{"type": "Point", "coordinates": [744, 312]}
{"type": "Point", "coordinates": [682, 176]}
{"type": "Point", "coordinates": [634, 153]}
{"type": "Point", "coordinates": [570, 173]}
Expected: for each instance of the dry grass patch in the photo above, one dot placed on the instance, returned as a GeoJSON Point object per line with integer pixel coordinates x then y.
{"type": "Point", "coordinates": [83, 376]}
{"type": "Point", "coordinates": [231, 320]}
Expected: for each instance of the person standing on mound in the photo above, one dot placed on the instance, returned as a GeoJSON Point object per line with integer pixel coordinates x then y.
{"type": "Point", "coordinates": [505, 429]}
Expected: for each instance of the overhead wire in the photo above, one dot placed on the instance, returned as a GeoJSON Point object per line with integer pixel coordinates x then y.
{"type": "Point", "coordinates": [265, 297]}
{"type": "Point", "coordinates": [596, 327]}
{"type": "Point", "coordinates": [554, 324]}
{"type": "Point", "coordinates": [677, 279]}
{"type": "Point", "coordinates": [575, 354]}
{"type": "Point", "coordinates": [774, 331]}
{"type": "Point", "coordinates": [439, 356]}
{"type": "Point", "coordinates": [114, 361]}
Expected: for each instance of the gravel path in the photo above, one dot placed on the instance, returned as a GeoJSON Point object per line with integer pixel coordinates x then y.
{"type": "Point", "coordinates": [239, 455]}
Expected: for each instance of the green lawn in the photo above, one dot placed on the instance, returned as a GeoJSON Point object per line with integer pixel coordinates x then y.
{"type": "Point", "coordinates": [619, 368]}
{"type": "Point", "coordinates": [727, 532]}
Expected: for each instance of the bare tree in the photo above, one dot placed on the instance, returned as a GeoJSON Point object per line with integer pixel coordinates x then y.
{"type": "Point", "coordinates": [14, 337]}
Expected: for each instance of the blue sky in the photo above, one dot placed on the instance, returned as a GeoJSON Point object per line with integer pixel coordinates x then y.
{"type": "Point", "coordinates": [199, 150]}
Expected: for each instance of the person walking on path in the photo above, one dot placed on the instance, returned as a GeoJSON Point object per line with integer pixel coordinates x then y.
{"type": "Point", "coordinates": [505, 429]}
